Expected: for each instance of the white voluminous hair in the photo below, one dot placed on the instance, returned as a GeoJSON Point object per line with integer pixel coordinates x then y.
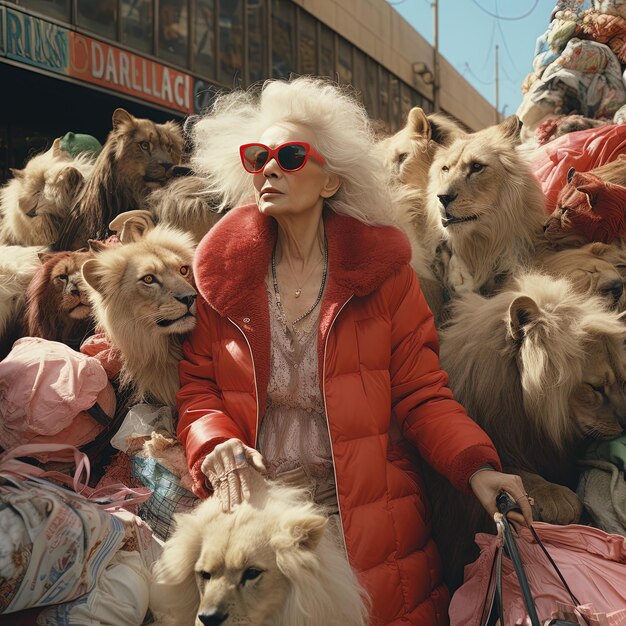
{"type": "Point", "coordinates": [343, 132]}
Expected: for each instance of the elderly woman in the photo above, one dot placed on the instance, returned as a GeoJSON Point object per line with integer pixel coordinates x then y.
{"type": "Point", "coordinates": [314, 358]}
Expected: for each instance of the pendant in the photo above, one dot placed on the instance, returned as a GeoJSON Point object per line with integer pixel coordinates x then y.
{"type": "Point", "coordinates": [298, 292]}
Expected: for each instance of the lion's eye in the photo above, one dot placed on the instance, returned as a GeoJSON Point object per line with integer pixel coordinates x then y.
{"type": "Point", "coordinates": [445, 168]}
{"type": "Point", "coordinates": [205, 575]}
{"type": "Point", "coordinates": [251, 573]}
{"type": "Point", "coordinates": [184, 270]}
{"type": "Point", "coordinates": [62, 277]}
{"type": "Point", "coordinates": [476, 167]}
{"type": "Point", "coordinates": [144, 145]}
{"type": "Point", "coordinates": [148, 279]}
{"type": "Point", "coordinates": [402, 157]}
{"type": "Point", "coordinates": [598, 388]}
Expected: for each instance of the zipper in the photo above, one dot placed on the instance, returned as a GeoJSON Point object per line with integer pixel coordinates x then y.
{"type": "Point", "coordinates": [256, 390]}
{"type": "Point", "coordinates": [332, 452]}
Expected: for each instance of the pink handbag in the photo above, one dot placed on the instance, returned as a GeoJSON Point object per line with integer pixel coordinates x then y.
{"type": "Point", "coordinates": [592, 562]}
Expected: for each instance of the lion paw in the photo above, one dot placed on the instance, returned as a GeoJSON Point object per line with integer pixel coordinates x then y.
{"type": "Point", "coordinates": [459, 277]}
{"type": "Point", "coordinates": [556, 504]}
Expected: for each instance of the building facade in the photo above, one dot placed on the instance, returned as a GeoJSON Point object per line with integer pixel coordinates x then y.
{"type": "Point", "coordinates": [66, 64]}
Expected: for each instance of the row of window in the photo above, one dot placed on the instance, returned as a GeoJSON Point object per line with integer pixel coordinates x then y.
{"type": "Point", "coordinates": [234, 42]}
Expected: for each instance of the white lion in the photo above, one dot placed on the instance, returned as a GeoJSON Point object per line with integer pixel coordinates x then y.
{"type": "Point", "coordinates": [272, 561]}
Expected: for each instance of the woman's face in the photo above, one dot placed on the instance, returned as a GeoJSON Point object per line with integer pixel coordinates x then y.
{"type": "Point", "coordinates": [280, 193]}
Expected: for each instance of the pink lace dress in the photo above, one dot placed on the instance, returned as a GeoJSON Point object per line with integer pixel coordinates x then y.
{"type": "Point", "coordinates": [293, 436]}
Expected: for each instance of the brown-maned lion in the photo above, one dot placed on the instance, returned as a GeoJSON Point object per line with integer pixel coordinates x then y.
{"type": "Point", "coordinates": [18, 265]}
{"type": "Point", "coordinates": [490, 204]}
{"type": "Point", "coordinates": [540, 368]}
{"type": "Point", "coordinates": [143, 298]}
{"type": "Point", "coordinates": [34, 203]}
{"type": "Point", "coordinates": [590, 271]}
{"type": "Point", "coordinates": [57, 306]}
{"type": "Point", "coordinates": [134, 160]}
{"type": "Point", "coordinates": [184, 203]}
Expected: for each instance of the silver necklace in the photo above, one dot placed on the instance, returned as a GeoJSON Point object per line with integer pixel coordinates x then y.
{"type": "Point", "coordinates": [319, 295]}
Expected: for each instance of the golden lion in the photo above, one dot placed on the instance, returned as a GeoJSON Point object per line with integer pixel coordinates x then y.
{"type": "Point", "coordinates": [35, 202]}
{"type": "Point", "coordinates": [273, 560]}
{"type": "Point", "coordinates": [490, 204]}
{"type": "Point", "coordinates": [541, 368]}
{"type": "Point", "coordinates": [591, 271]}
{"type": "Point", "coordinates": [135, 160]}
{"type": "Point", "coordinates": [143, 298]}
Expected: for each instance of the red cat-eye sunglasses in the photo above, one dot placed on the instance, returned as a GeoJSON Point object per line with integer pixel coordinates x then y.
{"type": "Point", "coordinates": [291, 156]}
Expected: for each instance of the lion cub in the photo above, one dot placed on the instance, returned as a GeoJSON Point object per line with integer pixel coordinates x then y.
{"type": "Point", "coordinates": [490, 204]}
{"type": "Point", "coordinates": [143, 298]}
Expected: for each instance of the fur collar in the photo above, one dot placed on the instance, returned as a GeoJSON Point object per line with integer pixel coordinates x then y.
{"type": "Point", "coordinates": [232, 259]}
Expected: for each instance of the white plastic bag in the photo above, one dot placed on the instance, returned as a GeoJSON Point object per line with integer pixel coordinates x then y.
{"type": "Point", "coordinates": [143, 420]}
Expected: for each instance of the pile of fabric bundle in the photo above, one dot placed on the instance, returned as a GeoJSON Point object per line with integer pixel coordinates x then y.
{"type": "Point", "coordinates": [578, 70]}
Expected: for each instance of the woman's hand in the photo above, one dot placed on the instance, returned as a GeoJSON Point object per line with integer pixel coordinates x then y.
{"type": "Point", "coordinates": [487, 484]}
{"type": "Point", "coordinates": [227, 470]}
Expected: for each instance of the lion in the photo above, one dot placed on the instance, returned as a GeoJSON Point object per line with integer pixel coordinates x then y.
{"type": "Point", "coordinates": [490, 204]}
{"type": "Point", "coordinates": [589, 208]}
{"type": "Point", "coordinates": [542, 369]}
{"type": "Point", "coordinates": [143, 298]}
{"type": "Point", "coordinates": [590, 271]}
{"type": "Point", "coordinates": [35, 202]}
{"type": "Point", "coordinates": [185, 204]}
{"type": "Point", "coordinates": [57, 306]}
{"type": "Point", "coordinates": [135, 160]}
{"type": "Point", "coordinates": [18, 265]}
{"type": "Point", "coordinates": [273, 560]}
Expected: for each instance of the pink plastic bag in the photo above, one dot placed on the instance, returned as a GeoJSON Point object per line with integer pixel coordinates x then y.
{"type": "Point", "coordinates": [592, 562]}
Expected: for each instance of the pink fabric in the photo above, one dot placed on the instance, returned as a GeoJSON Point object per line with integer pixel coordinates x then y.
{"type": "Point", "coordinates": [45, 387]}
{"type": "Point", "coordinates": [583, 150]}
{"type": "Point", "coordinates": [99, 347]}
{"type": "Point", "coordinates": [592, 562]}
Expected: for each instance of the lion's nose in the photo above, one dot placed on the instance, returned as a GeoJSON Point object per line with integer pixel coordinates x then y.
{"type": "Point", "coordinates": [187, 299]}
{"type": "Point", "coordinates": [212, 619]}
{"type": "Point", "coordinates": [446, 198]}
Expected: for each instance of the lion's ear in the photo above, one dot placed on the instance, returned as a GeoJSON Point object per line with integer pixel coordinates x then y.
{"type": "Point", "coordinates": [121, 116]}
{"type": "Point", "coordinates": [306, 531]}
{"type": "Point", "coordinates": [511, 128]}
{"type": "Point", "coordinates": [599, 249]}
{"type": "Point", "coordinates": [132, 225]}
{"type": "Point", "coordinates": [417, 122]}
{"type": "Point", "coordinates": [57, 152]}
{"type": "Point", "coordinates": [91, 274]}
{"type": "Point", "coordinates": [44, 255]}
{"type": "Point", "coordinates": [570, 174]}
{"type": "Point", "coordinates": [19, 174]}
{"type": "Point", "coordinates": [522, 312]}
{"type": "Point", "coordinates": [96, 246]}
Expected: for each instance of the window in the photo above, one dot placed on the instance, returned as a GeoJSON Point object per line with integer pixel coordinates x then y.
{"type": "Point", "coordinates": [394, 98]}
{"type": "Point", "coordinates": [308, 44]}
{"type": "Point", "coordinates": [137, 22]}
{"type": "Point", "coordinates": [327, 48]}
{"type": "Point", "coordinates": [100, 16]}
{"type": "Point", "coordinates": [204, 38]}
{"type": "Point", "coordinates": [173, 32]}
{"type": "Point", "coordinates": [231, 41]}
{"type": "Point", "coordinates": [383, 95]}
{"type": "Point", "coordinates": [54, 8]}
{"type": "Point", "coordinates": [344, 61]}
{"type": "Point", "coordinates": [283, 49]}
{"type": "Point", "coordinates": [257, 40]}
{"type": "Point", "coordinates": [370, 90]}
{"type": "Point", "coordinates": [359, 79]}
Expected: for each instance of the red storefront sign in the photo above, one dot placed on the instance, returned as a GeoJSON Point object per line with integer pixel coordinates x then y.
{"type": "Point", "coordinates": [101, 64]}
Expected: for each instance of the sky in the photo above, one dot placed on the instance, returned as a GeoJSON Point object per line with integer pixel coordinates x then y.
{"type": "Point", "coordinates": [468, 36]}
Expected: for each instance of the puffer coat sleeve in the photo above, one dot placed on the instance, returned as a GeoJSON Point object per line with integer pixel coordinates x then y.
{"type": "Point", "coordinates": [423, 404]}
{"type": "Point", "coordinates": [202, 414]}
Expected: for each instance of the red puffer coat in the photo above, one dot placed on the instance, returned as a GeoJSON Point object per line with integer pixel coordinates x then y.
{"type": "Point", "coordinates": [382, 387]}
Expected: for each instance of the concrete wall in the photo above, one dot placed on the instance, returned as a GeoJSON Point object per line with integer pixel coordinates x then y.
{"type": "Point", "coordinates": [382, 33]}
